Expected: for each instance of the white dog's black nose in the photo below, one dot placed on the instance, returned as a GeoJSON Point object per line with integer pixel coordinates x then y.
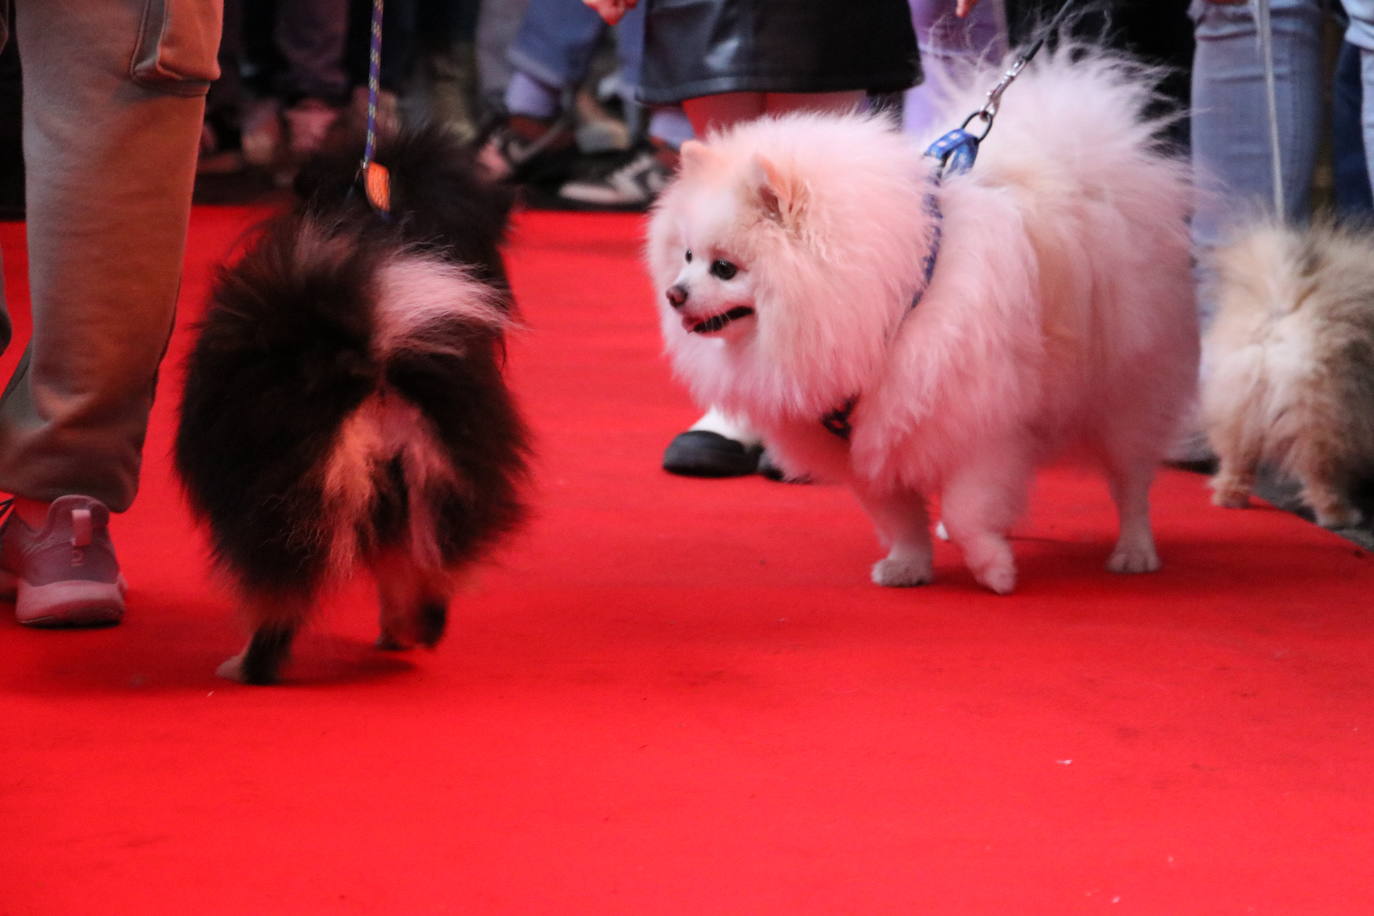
{"type": "Point", "coordinates": [677, 295]}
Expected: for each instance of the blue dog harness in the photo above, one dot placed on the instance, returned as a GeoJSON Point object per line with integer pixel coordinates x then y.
{"type": "Point", "coordinates": [955, 152]}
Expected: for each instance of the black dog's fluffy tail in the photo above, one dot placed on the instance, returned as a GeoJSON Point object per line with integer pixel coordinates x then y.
{"type": "Point", "coordinates": [340, 382]}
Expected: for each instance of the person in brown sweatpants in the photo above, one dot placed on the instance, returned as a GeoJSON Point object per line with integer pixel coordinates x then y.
{"type": "Point", "coordinates": [113, 102]}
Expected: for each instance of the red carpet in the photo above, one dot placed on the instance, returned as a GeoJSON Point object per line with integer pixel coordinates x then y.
{"type": "Point", "coordinates": [678, 696]}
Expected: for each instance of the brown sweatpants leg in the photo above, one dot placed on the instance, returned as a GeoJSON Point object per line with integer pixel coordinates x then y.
{"type": "Point", "coordinates": [113, 101]}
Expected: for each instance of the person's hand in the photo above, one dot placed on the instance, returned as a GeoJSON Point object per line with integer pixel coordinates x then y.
{"type": "Point", "coordinates": [613, 10]}
{"type": "Point", "coordinates": [963, 7]}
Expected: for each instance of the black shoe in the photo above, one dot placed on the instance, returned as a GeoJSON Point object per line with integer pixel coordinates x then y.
{"type": "Point", "coordinates": [700, 453]}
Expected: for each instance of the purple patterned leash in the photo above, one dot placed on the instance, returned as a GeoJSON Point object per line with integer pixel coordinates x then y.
{"type": "Point", "coordinates": [376, 180]}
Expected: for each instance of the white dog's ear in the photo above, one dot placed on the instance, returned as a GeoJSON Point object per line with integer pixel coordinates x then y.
{"type": "Point", "coordinates": [781, 196]}
{"type": "Point", "coordinates": [695, 155]}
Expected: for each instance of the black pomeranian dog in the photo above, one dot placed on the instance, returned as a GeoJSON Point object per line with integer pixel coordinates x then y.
{"type": "Point", "coordinates": [344, 405]}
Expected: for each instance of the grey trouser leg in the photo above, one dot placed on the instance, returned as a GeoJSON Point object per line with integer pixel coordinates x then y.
{"type": "Point", "coordinates": [113, 100]}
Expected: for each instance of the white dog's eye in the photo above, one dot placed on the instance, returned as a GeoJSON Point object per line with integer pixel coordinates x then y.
{"type": "Point", "coordinates": [688, 256]}
{"type": "Point", "coordinates": [723, 269]}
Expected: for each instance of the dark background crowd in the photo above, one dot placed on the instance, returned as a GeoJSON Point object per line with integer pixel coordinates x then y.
{"type": "Point", "coordinates": [291, 69]}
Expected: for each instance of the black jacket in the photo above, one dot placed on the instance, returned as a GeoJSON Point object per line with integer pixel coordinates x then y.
{"type": "Point", "coordinates": [704, 47]}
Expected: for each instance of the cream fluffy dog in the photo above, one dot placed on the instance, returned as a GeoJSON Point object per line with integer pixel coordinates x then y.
{"type": "Point", "coordinates": [1291, 357]}
{"type": "Point", "coordinates": [1060, 312]}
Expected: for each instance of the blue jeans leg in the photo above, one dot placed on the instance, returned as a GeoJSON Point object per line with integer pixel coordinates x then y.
{"type": "Point", "coordinates": [1230, 119]}
{"type": "Point", "coordinates": [1350, 168]}
{"type": "Point", "coordinates": [1367, 107]}
{"type": "Point", "coordinates": [555, 42]}
{"type": "Point", "coordinates": [1230, 115]}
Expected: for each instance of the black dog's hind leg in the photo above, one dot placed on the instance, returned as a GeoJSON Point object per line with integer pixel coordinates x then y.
{"type": "Point", "coordinates": [431, 619]}
{"type": "Point", "coordinates": [261, 660]}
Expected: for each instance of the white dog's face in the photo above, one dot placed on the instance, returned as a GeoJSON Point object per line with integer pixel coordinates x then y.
{"type": "Point", "coordinates": [721, 220]}
{"type": "Point", "coordinates": [752, 305]}
{"type": "Point", "coordinates": [773, 293]}
{"type": "Point", "coordinates": [713, 292]}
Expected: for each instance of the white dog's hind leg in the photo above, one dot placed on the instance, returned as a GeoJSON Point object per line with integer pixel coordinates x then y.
{"type": "Point", "coordinates": [980, 502]}
{"type": "Point", "coordinates": [1130, 480]}
{"type": "Point", "coordinates": [903, 526]}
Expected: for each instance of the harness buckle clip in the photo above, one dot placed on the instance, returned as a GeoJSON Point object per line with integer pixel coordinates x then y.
{"type": "Point", "coordinates": [957, 150]}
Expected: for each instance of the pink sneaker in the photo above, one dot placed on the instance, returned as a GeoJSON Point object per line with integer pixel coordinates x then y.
{"type": "Point", "coordinates": [65, 575]}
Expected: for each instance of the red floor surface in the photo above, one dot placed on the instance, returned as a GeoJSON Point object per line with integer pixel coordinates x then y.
{"type": "Point", "coordinates": [678, 696]}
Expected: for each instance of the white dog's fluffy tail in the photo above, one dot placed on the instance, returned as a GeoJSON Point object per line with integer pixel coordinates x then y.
{"type": "Point", "coordinates": [1076, 105]}
{"type": "Point", "coordinates": [1108, 99]}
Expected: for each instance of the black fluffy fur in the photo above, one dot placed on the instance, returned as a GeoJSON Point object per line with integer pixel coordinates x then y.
{"type": "Point", "coordinates": [439, 197]}
{"type": "Point", "coordinates": [285, 355]}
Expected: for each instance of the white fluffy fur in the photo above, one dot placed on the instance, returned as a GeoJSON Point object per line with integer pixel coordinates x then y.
{"type": "Point", "coordinates": [1291, 357]}
{"type": "Point", "coordinates": [1061, 311]}
{"type": "Point", "coordinates": [418, 291]}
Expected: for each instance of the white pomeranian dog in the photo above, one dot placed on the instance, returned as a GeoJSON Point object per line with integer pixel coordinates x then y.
{"type": "Point", "coordinates": [1291, 364]}
{"type": "Point", "coordinates": [1060, 312]}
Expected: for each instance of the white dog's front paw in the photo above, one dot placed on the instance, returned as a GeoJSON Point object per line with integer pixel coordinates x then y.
{"type": "Point", "coordinates": [902, 572]}
{"type": "Point", "coordinates": [999, 577]}
{"type": "Point", "coordinates": [989, 558]}
{"type": "Point", "coordinates": [1142, 559]}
